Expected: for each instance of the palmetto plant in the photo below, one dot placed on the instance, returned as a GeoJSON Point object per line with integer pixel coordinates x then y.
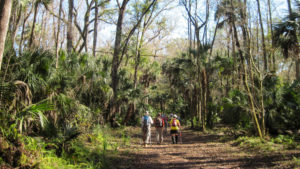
{"type": "Point", "coordinates": [35, 68]}
{"type": "Point", "coordinates": [33, 114]}
{"type": "Point", "coordinates": [18, 107]}
{"type": "Point", "coordinates": [286, 37]}
{"type": "Point", "coordinates": [285, 31]}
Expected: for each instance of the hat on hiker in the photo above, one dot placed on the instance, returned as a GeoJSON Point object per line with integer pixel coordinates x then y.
{"type": "Point", "coordinates": [175, 116]}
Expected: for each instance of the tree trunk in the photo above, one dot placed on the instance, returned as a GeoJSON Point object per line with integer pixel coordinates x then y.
{"type": "Point", "coordinates": [14, 23]}
{"type": "Point", "coordinates": [297, 65]}
{"type": "Point", "coordinates": [23, 30]}
{"type": "Point", "coordinates": [245, 78]}
{"type": "Point", "coordinates": [5, 10]}
{"type": "Point", "coordinates": [85, 31]}
{"type": "Point", "coordinates": [289, 6]}
{"type": "Point", "coordinates": [95, 29]}
{"type": "Point", "coordinates": [70, 28]}
{"type": "Point", "coordinates": [204, 98]}
{"type": "Point", "coordinates": [115, 62]}
{"type": "Point", "coordinates": [86, 24]}
{"type": "Point", "coordinates": [43, 27]}
{"type": "Point", "coordinates": [272, 36]}
{"type": "Point", "coordinates": [262, 37]}
{"type": "Point", "coordinates": [36, 5]}
{"type": "Point", "coordinates": [138, 57]}
{"type": "Point", "coordinates": [130, 112]}
{"type": "Point", "coordinates": [57, 34]}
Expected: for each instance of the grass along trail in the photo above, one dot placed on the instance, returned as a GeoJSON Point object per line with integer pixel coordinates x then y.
{"type": "Point", "coordinates": [200, 150]}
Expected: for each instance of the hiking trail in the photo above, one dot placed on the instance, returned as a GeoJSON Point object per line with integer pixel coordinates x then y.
{"type": "Point", "coordinates": [199, 150]}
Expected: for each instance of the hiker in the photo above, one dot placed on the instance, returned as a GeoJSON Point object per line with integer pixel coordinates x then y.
{"type": "Point", "coordinates": [165, 119]}
{"type": "Point", "coordinates": [159, 125]}
{"type": "Point", "coordinates": [175, 127]}
{"type": "Point", "coordinates": [146, 128]}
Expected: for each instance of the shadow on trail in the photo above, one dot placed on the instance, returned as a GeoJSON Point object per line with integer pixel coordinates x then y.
{"type": "Point", "coordinates": [190, 138]}
{"type": "Point", "coordinates": [148, 161]}
{"type": "Point", "coordinates": [198, 150]}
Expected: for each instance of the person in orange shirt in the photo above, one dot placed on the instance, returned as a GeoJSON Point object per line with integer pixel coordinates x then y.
{"type": "Point", "coordinates": [175, 127]}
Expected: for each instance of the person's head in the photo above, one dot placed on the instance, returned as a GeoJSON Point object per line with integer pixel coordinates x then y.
{"type": "Point", "coordinates": [159, 115]}
{"type": "Point", "coordinates": [175, 116]}
{"type": "Point", "coordinates": [147, 113]}
{"type": "Point", "coordinates": [171, 115]}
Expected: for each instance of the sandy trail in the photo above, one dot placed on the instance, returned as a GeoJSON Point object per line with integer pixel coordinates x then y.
{"type": "Point", "coordinates": [201, 151]}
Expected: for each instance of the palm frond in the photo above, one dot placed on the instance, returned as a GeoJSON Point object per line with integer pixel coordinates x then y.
{"type": "Point", "coordinates": [285, 33]}
{"type": "Point", "coordinates": [34, 113]}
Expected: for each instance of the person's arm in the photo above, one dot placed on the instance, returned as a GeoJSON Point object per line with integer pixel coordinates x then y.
{"type": "Point", "coordinates": [151, 121]}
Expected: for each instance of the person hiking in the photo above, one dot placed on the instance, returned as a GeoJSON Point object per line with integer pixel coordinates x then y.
{"type": "Point", "coordinates": [159, 125]}
{"type": "Point", "coordinates": [175, 127]}
{"type": "Point", "coordinates": [165, 119]}
{"type": "Point", "coordinates": [146, 128]}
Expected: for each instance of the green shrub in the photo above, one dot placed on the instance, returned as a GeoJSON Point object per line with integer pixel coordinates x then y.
{"type": "Point", "coordinates": [296, 162]}
{"type": "Point", "coordinates": [234, 109]}
{"type": "Point", "coordinates": [256, 144]}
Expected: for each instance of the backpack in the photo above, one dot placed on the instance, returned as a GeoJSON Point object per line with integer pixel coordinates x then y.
{"type": "Point", "coordinates": [158, 122]}
{"type": "Point", "coordinates": [145, 124]}
{"type": "Point", "coordinates": [174, 122]}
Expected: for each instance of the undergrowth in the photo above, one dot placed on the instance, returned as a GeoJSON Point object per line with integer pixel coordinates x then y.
{"type": "Point", "coordinates": [281, 142]}
{"type": "Point", "coordinates": [296, 162]}
{"type": "Point", "coordinates": [95, 149]}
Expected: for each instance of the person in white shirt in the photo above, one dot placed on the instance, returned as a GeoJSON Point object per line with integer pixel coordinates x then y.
{"type": "Point", "coordinates": [146, 128]}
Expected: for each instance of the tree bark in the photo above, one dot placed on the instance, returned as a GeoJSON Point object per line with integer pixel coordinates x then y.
{"type": "Point", "coordinates": [70, 28]}
{"type": "Point", "coordinates": [14, 22]}
{"type": "Point", "coordinates": [57, 34]}
{"type": "Point", "coordinates": [115, 62]}
{"type": "Point", "coordinates": [95, 29]}
{"type": "Point", "coordinates": [262, 37]}
{"type": "Point", "coordinates": [86, 23]}
{"type": "Point", "coordinates": [5, 10]}
{"type": "Point", "coordinates": [23, 30]}
{"type": "Point", "coordinates": [36, 5]}
{"type": "Point", "coordinates": [204, 98]}
{"type": "Point", "coordinates": [289, 6]}
{"type": "Point", "coordinates": [272, 36]}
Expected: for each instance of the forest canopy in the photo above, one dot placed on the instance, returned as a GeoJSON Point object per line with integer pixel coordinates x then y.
{"type": "Point", "coordinates": [68, 67]}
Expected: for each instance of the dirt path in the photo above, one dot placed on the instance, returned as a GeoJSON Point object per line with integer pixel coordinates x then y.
{"type": "Point", "coordinates": [201, 151]}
